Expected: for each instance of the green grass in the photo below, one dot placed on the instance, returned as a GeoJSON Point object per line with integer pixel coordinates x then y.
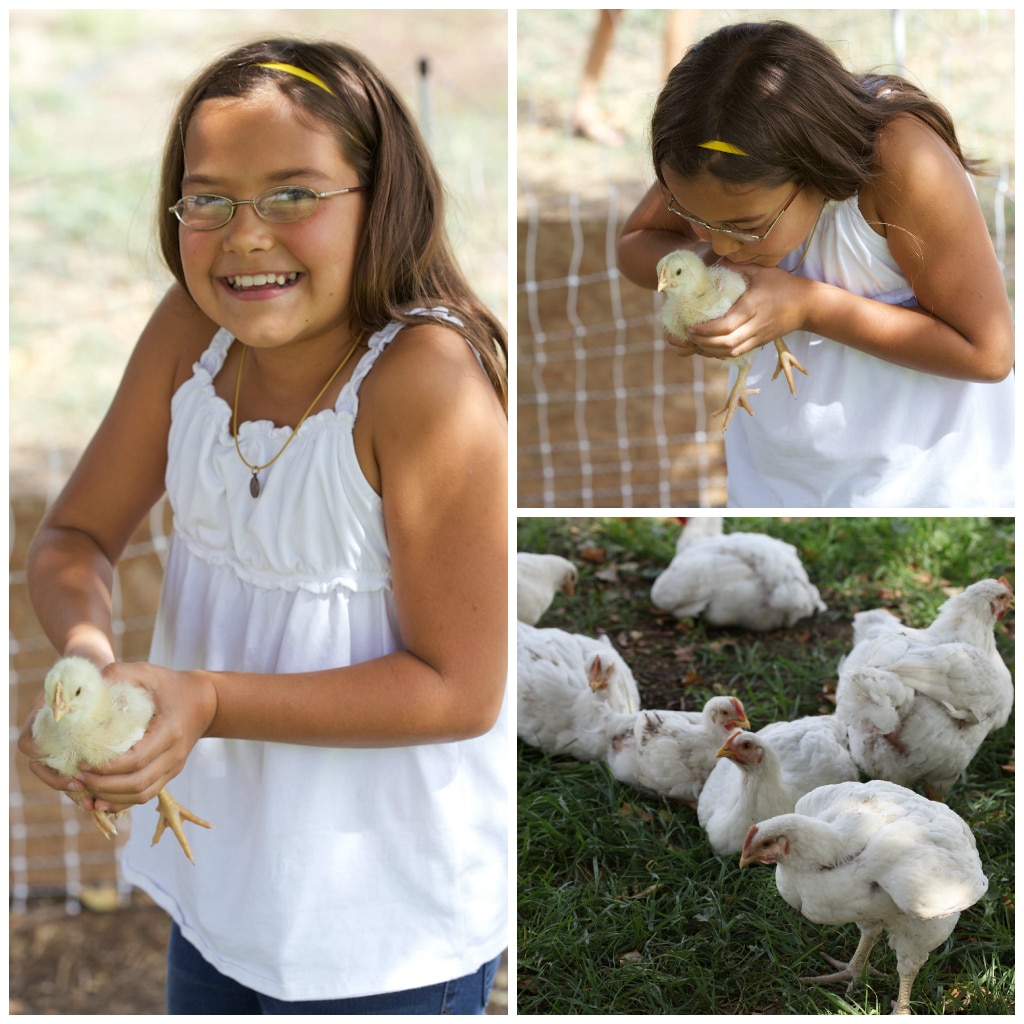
{"type": "Point", "coordinates": [623, 907]}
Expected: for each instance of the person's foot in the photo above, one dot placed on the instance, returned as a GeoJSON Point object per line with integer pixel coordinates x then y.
{"type": "Point", "coordinates": [599, 132]}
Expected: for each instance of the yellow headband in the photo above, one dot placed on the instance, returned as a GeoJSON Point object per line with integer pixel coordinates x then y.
{"type": "Point", "coordinates": [291, 69]}
{"type": "Point", "coordinates": [723, 147]}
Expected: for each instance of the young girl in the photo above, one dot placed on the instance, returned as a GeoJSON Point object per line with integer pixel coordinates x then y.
{"type": "Point", "coordinates": [846, 204]}
{"type": "Point", "coordinates": [324, 399]}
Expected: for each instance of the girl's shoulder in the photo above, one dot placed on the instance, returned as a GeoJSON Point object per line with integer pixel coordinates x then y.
{"type": "Point", "coordinates": [175, 337]}
{"type": "Point", "coordinates": [427, 394]}
{"type": "Point", "coordinates": [425, 362]}
{"type": "Point", "coordinates": [914, 165]}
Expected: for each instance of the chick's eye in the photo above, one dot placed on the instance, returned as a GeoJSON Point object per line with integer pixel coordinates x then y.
{"type": "Point", "coordinates": [78, 691]}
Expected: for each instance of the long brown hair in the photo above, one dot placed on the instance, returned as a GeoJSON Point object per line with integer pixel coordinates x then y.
{"type": "Point", "coordinates": [784, 98]}
{"type": "Point", "coordinates": [404, 259]}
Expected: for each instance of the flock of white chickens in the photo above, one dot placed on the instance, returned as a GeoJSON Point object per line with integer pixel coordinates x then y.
{"type": "Point", "coordinates": [912, 706]}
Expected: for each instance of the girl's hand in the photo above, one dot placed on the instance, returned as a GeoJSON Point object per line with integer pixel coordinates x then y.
{"type": "Point", "coordinates": [27, 746]}
{"type": "Point", "coordinates": [773, 305]}
{"type": "Point", "coordinates": [683, 346]}
{"type": "Point", "coordinates": [185, 706]}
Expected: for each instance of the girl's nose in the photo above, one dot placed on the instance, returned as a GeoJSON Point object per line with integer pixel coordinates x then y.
{"type": "Point", "coordinates": [724, 245]}
{"type": "Point", "coordinates": [247, 231]}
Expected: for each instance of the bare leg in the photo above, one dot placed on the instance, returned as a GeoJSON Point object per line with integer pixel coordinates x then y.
{"type": "Point", "coordinates": [586, 121]}
{"type": "Point", "coordinates": [680, 31]}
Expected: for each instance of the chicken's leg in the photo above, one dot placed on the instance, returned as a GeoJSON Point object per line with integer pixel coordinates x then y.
{"type": "Point", "coordinates": [739, 392]}
{"type": "Point", "coordinates": [851, 971]}
{"type": "Point", "coordinates": [105, 822]}
{"type": "Point", "coordinates": [787, 363]}
{"type": "Point", "coordinates": [171, 813]}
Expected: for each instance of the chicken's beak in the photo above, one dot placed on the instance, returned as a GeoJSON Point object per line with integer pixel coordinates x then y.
{"type": "Point", "coordinates": [746, 859]}
{"type": "Point", "coordinates": [724, 751]}
{"type": "Point", "coordinates": [741, 723]}
{"type": "Point", "coordinates": [60, 705]}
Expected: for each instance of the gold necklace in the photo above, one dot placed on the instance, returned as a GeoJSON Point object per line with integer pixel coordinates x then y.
{"type": "Point", "coordinates": [254, 483]}
{"type": "Point", "coordinates": [810, 238]}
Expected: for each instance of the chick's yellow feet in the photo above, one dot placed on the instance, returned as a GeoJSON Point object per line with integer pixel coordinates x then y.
{"type": "Point", "coordinates": [105, 822]}
{"type": "Point", "coordinates": [171, 814]}
{"type": "Point", "coordinates": [786, 364]}
{"type": "Point", "coordinates": [737, 397]}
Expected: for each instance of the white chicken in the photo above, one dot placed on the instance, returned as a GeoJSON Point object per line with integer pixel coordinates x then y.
{"type": "Point", "coordinates": [877, 854]}
{"type": "Point", "coordinates": [566, 685]}
{"type": "Point", "coordinates": [737, 579]}
{"type": "Point", "coordinates": [919, 702]}
{"type": "Point", "coordinates": [874, 622]}
{"type": "Point", "coordinates": [671, 753]}
{"type": "Point", "coordinates": [697, 293]}
{"type": "Point", "coordinates": [764, 773]}
{"type": "Point", "coordinates": [538, 578]}
{"type": "Point", "coordinates": [87, 721]}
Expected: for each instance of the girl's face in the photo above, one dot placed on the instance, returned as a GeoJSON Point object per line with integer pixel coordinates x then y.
{"type": "Point", "coordinates": [748, 208]}
{"type": "Point", "coordinates": [238, 147]}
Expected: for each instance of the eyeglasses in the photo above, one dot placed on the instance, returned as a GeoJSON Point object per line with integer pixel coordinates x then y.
{"type": "Point", "coordinates": [280, 205]}
{"type": "Point", "coordinates": [740, 236]}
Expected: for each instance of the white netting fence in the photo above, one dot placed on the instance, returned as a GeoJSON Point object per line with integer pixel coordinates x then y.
{"type": "Point", "coordinates": [54, 847]}
{"type": "Point", "coordinates": [603, 420]}
{"type": "Point", "coordinates": [608, 414]}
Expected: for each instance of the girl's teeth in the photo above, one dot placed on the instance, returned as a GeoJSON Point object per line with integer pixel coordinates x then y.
{"type": "Point", "coordinates": [258, 280]}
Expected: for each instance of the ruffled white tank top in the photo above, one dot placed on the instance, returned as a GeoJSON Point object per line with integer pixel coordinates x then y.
{"type": "Point", "coordinates": [330, 873]}
{"type": "Point", "coordinates": [863, 432]}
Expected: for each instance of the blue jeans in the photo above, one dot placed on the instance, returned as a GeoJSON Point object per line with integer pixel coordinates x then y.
{"type": "Point", "coordinates": [195, 987]}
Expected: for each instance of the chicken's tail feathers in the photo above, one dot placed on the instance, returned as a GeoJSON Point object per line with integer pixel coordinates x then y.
{"type": "Point", "coordinates": [872, 699]}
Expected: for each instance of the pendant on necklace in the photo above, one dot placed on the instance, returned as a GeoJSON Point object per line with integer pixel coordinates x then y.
{"type": "Point", "coordinates": [254, 484]}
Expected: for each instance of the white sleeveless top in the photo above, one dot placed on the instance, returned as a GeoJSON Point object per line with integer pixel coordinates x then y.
{"type": "Point", "coordinates": [863, 432]}
{"type": "Point", "coordinates": [329, 873]}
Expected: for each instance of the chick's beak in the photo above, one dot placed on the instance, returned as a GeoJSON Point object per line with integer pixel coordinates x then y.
{"type": "Point", "coordinates": [60, 704]}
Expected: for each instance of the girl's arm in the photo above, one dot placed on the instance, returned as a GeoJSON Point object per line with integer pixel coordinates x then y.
{"type": "Point", "coordinates": [937, 233]}
{"type": "Point", "coordinates": [118, 479]}
{"type": "Point", "coordinates": [438, 440]}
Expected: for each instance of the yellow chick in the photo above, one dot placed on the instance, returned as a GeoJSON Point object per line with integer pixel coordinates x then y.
{"type": "Point", "coordinates": [87, 721]}
{"type": "Point", "coordinates": [696, 293]}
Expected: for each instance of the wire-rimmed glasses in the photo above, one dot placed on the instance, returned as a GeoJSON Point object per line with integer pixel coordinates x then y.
{"type": "Point", "coordinates": [740, 236]}
{"type": "Point", "coordinates": [280, 205]}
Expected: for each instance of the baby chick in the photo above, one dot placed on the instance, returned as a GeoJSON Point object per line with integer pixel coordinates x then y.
{"type": "Point", "coordinates": [87, 721]}
{"type": "Point", "coordinates": [696, 293]}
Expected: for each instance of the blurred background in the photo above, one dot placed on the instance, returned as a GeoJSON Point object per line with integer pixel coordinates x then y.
{"type": "Point", "coordinates": [91, 95]}
{"type": "Point", "coordinates": [607, 417]}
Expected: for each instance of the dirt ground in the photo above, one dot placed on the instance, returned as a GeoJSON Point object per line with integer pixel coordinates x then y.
{"type": "Point", "coordinates": [106, 962]}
